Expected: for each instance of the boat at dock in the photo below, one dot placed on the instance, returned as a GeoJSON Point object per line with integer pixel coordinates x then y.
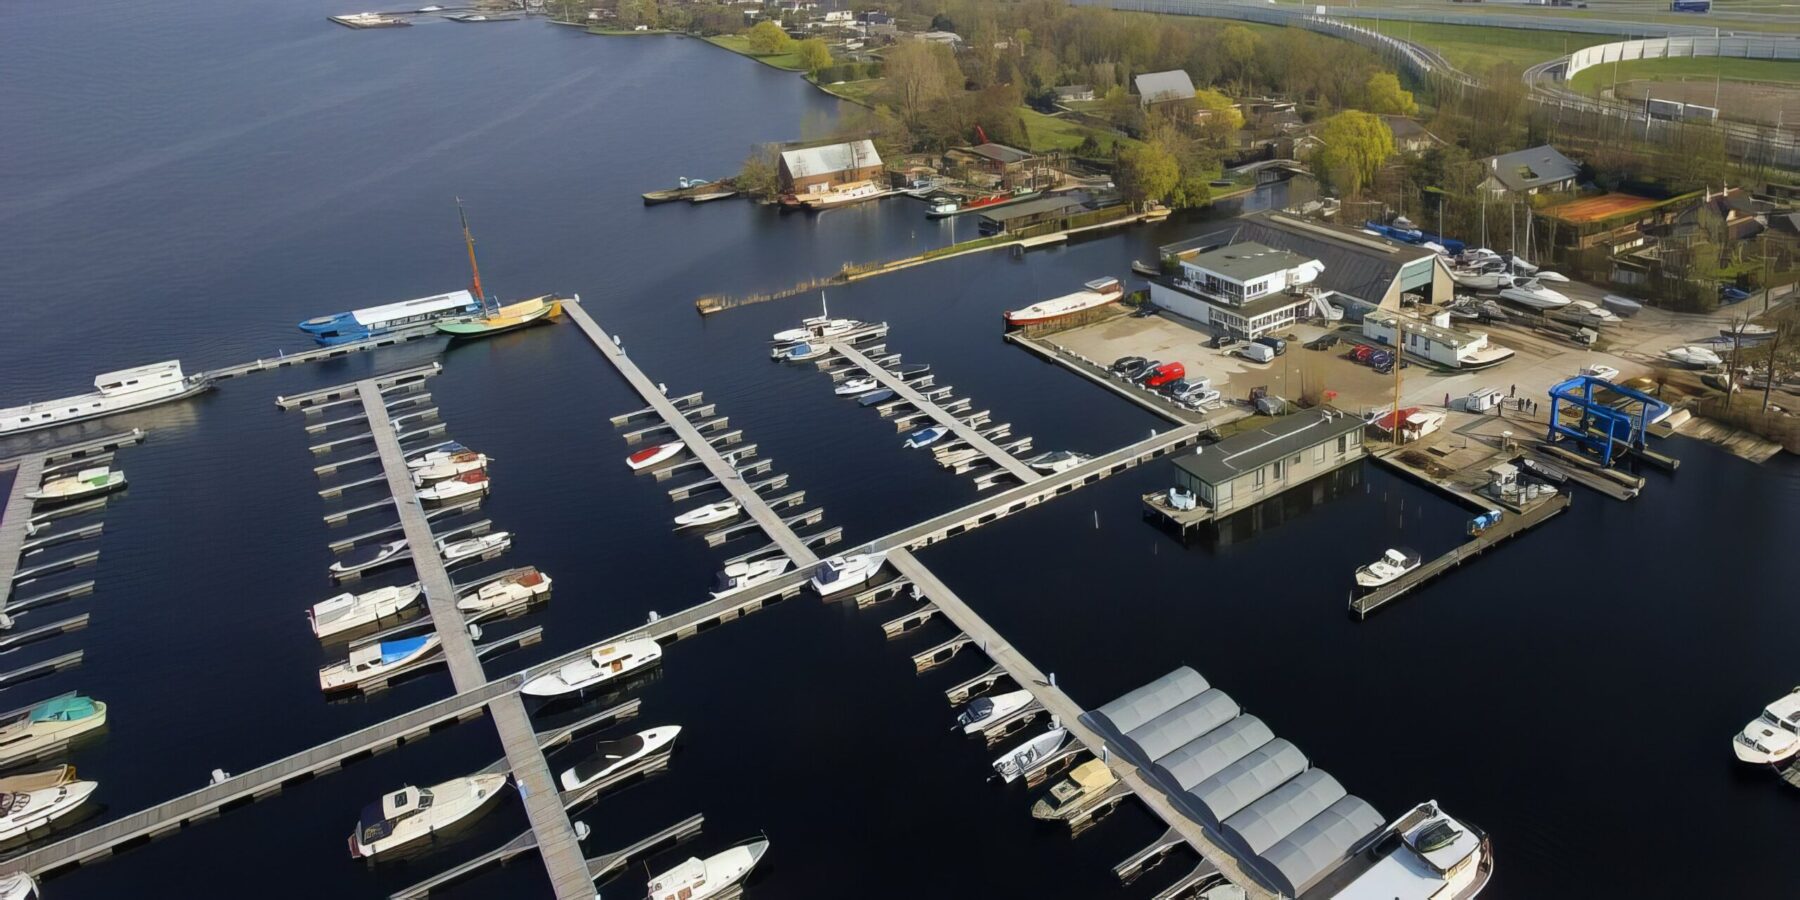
{"type": "Point", "coordinates": [611, 756]}
{"type": "Point", "coordinates": [413, 813]}
{"type": "Point", "coordinates": [650, 456]}
{"type": "Point", "coordinates": [908, 373]}
{"type": "Point", "coordinates": [1145, 269]}
{"type": "Point", "coordinates": [35, 800]}
{"type": "Point", "coordinates": [947, 206]}
{"type": "Point", "coordinates": [709, 514]}
{"type": "Point", "coordinates": [447, 450]}
{"type": "Point", "coordinates": [1057, 461]}
{"type": "Point", "coordinates": [740, 576]}
{"type": "Point", "coordinates": [381, 554]}
{"type": "Point", "coordinates": [1065, 797]}
{"type": "Point", "coordinates": [85, 483]}
{"type": "Point", "coordinates": [841, 573]}
{"type": "Point", "coordinates": [503, 318]}
{"type": "Point", "coordinates": [598, 666]}
{"type": "Point", "coordinates": [470, 548]}
{"type": "Point", "coordinates": [49, 724]}
{"type": "Point", "coordinates": [463, 485]}
{"type": "Point", "coordinates": [856, 387]}
{"type": "Point", "coordinates": [881, 396]}
{"type": "Point", "coordinates": [695, 190]}
{"type": "Point", "coordinates": [1774, 736]}
{"type": "Point", "coordinates": [1014, 762]}
{"type": "Point", "coordinates": [450, 465]}
{"type": "Point", "coordinates": [802, 352]}
{"type": "Point", "coordinates": [114, 392]}
{"type": "Point", "coordinates": [18, 886]}
{"type": "Point", "coordinates": [510, 589]}
{"type": "Point", "coordinates": [1392, 564]}
{"type": "Point", "coordinates": [925, 437]}
{"type": "Point", "coordinates": [1423, 854]}
{"type": "Point", "coordinates": [984, 711]}
{"type": "Point", "coordinates": [698, 879]}
{"type": "Point", "coordinates": [373, 660]}
{"type": "Point", "coordinates": [837, 196]}
{"type": "Point", "coordinates": [369, 20]}
{"type": "Point", "coordinates": [1094, 295]}
{"type": "Point", "coordinates": [374, 321]}
{"type": "Point", "coordinates": [817, 327]}
{"type": "Point", "coordinates": [348, 611]}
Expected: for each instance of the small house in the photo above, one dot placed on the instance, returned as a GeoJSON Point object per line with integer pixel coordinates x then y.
{"type": "Point", "coordinates": [1074, 93]}
{"type": "Point", "coordinates": [1529, 171]}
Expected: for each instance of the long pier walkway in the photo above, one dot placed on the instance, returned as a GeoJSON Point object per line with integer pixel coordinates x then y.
{"type": "Point", "coordinates": [970, 435]}
{"type": "Point", "coordinates": [16, 521]}
{"type": "Point", "coordinates": [1510, 525]}
{"type": "Point", "coordinates": [728, 476]}
{"type": "Point", "coordinates": [1067, 712]}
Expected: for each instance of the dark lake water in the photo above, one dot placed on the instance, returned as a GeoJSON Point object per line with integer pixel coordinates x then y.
{"type": "Point", "coordinates": [186, 182]}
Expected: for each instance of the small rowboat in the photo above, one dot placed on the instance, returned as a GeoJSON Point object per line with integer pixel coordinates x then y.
{"type": "Point", "coordinates": [650, 456]}
{"type": "Point", "coordinates": [881, 396]}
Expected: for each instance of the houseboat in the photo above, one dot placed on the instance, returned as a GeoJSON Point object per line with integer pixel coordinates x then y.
{"type": "Point", "coordinates": [374, 321]}
{"type": "Point", "coordinates": [1094, 295]}
{"type": "Point", "coordinates": [114, 392]}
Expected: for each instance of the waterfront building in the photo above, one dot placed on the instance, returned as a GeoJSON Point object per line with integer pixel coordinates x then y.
{"type": "Point", "coordinates": [815, 169]}
{"type": "Point", "coordinates": [1246, 288]}
{"type": "Point", "coordinates": [1019, 216]}
{"type": "Point", "coordinates": [1251, 466]}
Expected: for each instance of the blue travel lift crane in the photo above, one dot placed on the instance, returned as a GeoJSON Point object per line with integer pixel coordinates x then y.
{"type": "Point", "coordinates": [1604, 428]}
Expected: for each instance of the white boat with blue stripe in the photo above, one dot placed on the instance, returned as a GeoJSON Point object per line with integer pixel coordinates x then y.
{"type": "Point", "coordinates": [374, 321]}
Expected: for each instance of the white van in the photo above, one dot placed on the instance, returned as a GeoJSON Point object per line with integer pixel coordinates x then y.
{"type": "Point", "coordinates": [1257, 353]}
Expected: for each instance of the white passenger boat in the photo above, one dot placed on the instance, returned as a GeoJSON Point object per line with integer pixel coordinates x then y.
{"type": "Point", "coordinates": [1014, 762]}
{"type": "Point", "coordinates": [413, 813]}
{"type": "Point", "coordinates": [650, 456]}
{"type": "Point", "coordinates": [709, 514]}
{"type": "Point", "coordinates": [1057, 461]}
{"type": "Point", "coordinates": [595, 667]}
{"type": "Point", "coordinates": [841, 573]}
{"type": "Point", "coordinates": [698, 879]}
{"type": "Point", "coordinates": [348, 611]}
{"type": "Point", "coordinates": [392, 551]}
{"type": "Point", "coordinates": [33, 801]}
{"type": "Point", "coordinates": [741, 576]}
{"type": "Point", "coordinates": [464, 485]}
{"type": "Point", "coordinates": [1774, 736]}
{"type": "Point", "coordinates": [449, 465]}
{"type": "Point", "coordinates": [1528, 292]}
{"type": "Point", "coordinates": [84, 483]}
{"type": "Point", "coordinates": [1691, 357]}
{"type": "Point", "coordinates": [114, 392]}
{"type": "Point", "coordinates": [611, 756]}
{"type": "Point", "coordinates": [48, 725]}
{"type": "Point", "coordinates": [984, 711]}
{"type": "Point", "coordinates": [469, 548]}
{"type": "Point", "coordinates": [374, 660]}
{"type": "Point", "coordinates": [361, 324]}
{"type": "Point", "coordinates": [18, 886]}
{"type": "Point", "coordinates": [857, 387]}
{"type": "Point", "coordinates": [1391, 565]}
{"type": "Point", "coordinates": [510, 589]}
{"type": "Point", "coordinates": [1094, 295]}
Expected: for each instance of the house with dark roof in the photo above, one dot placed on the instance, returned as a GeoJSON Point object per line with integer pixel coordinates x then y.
{"type": "Point", "coordinates": [1529, 171]}
{"type": "Point", "coordinates": [1409, 135]}
{"type": "Point", "coordinates": [1163, 87]}
{"type": "Point", "coordinates": [1251, 466]}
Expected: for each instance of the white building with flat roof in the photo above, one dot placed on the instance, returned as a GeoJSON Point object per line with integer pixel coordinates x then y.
{"type": "Point", "coordinates": [1435, 341]}
{"type": "Point", "coordinates": [1247, 289]}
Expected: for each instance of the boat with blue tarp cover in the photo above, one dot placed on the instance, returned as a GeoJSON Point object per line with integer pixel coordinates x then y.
{"type": "Point", "coordinates": [48, 724]}
{"type": "Point", "coordinates": [374, 660]}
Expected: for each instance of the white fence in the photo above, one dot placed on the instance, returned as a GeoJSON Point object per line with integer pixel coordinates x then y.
{"type": "Point", "coordinates": [1683, 48]}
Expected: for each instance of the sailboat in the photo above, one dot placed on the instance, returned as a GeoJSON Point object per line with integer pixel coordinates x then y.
{"type": "Point", "coordinates": [493, 317]}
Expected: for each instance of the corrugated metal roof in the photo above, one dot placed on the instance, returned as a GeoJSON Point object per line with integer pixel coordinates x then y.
{"type": "Point", "coordinates": [830, 159]}
{"type": "Point", "coordinates": [1324, 842]}
{"type": "Point", "coordinates": [1137, 707]}
{"type": "Point", "coordinates": [1193, 718]}
{"type": "Point", "coordinates": [1246, 261]}
{"type": "Point", "coordinates": [1027, 208]}
{"type": "Point", "coordinates": [1204, 756]}
{"type": "Point", "coordinates": [999, 153]}
{"type": "Point", "coordinates": [1280, 812]}
{"type": "Point", "coordinates": [1361, 265]}
{"type": "Point", "coordinates": [1251, 450]}
{"type": "Point", "coordinates": [1156, 87]}
{"type": "Point", "coordinates": [1241, 783]}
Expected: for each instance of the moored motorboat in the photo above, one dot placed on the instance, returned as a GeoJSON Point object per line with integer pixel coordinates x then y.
{"type": "Point", "coordinates": [698, 879]}
{"type": "Point", "coordinates": [1774, 736]}
{"type": "Point", "coordinates": [413, 813]}
{"type": "Point", "coordinates": [926, 436]}
{"type": "Point", "coordinates": [48, 725]}
{"type": "Point", "coordinates": [85, 483]}
{"type": "Point", "coordinates": [597, 666]}
{"type": "Point", "coordinates": [447, 450]}
{"type": "Point", "coordinates": [1057, 461]}
{"type": "Point", "coordinates": [1692, 357]}
{"type": "Point", "coordinates": [741, 576]}
{"type": "Point", "coordinates": [984, 711]}
{"type": "Point", "coordinates": [348, 611]}
{"type": "Point", "coordinates": [1423, 854]}
{"type": "Point", "coordinates": [471, 548]}
{"type": "Point", "coordinates": [509, 589]}
{"type": "Point", "coordinates": [856, 386]}
{"type": "Point", "coordinates": [35, 800]}
{"type": "Point", "coordinates": [819, 326]}
{"type": "Point", "coordinates": [1145, 269]}
{"type": "Point", "coordinates": [379, 555]}
{"type": "Point", "coordinates": [1392, 564]}
{"type": "Point", "coordinates": [373, 321]}
{"type": "Point", "coordinates": [447, 466]}
{"type": "Point", "coordinates": [1480, 279]}
{"type": "Point", "coordinates": [463, 485]}
{"type": "Point", "coordinates": [841, 573]}
{"type": "Point", "coordinates": [374, 660]}
{"type": "Point", "coordinates": [1065, 797]}
{"type": "Point", "coordinates": [1094, 295]}
{"type": "Point", "coordinates": [1014, 762]}
{"type": "Point", "coordinates": [611, 756]}
{"type": "Point", "coordinates": [18, 886]}
{"type": "Point", "coordinates": [650, 456]}
{"type": "Point", "coordinates": [881, 396]}
{"type": "Point", "coordinates": [709, 514]}
{"type": "Point", "coordinates": [802, 352]}
{"type": "Point", "coordinates": [114, 392]}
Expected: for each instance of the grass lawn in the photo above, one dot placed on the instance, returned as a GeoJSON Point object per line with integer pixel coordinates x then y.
{"type": "Point", "coordinates": [1473, 49]}
{"type": "Point", "coordinates": [1055, 133]}
{"type": "Point", "coordinates": [855, 91]}
{"type": "Point", "coordinates": [1592, 80]}
{"type": "Point", "coordinates": [738, 43]}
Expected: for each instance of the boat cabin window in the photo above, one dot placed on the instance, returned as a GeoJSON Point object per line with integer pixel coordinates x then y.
{"type": "Point", "coordinates": [111, 387]}
{"type": "Point", "coordinates": [1780, 723]}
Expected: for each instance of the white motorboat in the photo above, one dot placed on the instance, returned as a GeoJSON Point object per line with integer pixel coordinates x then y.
{"type": "Point", "coordinates": [33, 801]}
{"type": "Point", "coordinates": [1528, 292]}
{"type": "Point", "coordinates": [470, 548]}
{"type": "Point", "coordinates": [698, 879]}
{"type": "Point", "coordinates": [819, 326]}
{"type": "Point", "coordinates": [392, 551]}
{"type": "Point", "coordinates": [1748, 333]}
{"type": "Point", "coordinates": [1692, 357]}
{"type": "Point", "coordinates": [18, 886]}
{"type": "Point", "coordinates": [709, 514]}
{"type": "Point", "coordinates": [97, 480]}
{"type": "Point", "coordinates": [1057, 461]}
{"type": "Point", "coordinates": [450, 466]}
{"type": "Point", "coordinates": [802, 352]}
{"type": "Point", "coordinates": [650, 456]}
{"type": "Point", "coordinates": [841, 573]}
{"type": "Point", "coordinates": [857, 386]}
{"type": "Point", "coordinates": [510, 589]}
{"type": "Point", "coordinates": [1480, 280]}
{"type": "Point", "coordinates": [413, 813]}
{"type": "Point", "coordinates": [463, 485]}
{"type": "Point", "coordinates": [984, 711]}
{"type": "Point", "coordinates": [348, 611]}
{"type": "Point", "coordinates": [48, 725]}
{"type": "Point", "coordinates": [114, 392]}
{"type": "Point", "coordinates": [1391, 565]}
{"type": "Point", "coordinates": [374, 660]}
{"type": "Point", "coordinates": [1774, 736]}
{"type": "Point", "coordinates": [1604, 373]}
{"type": "Point", "coordinates": [925, 437]}
{"type": "Point", "coordinates": [741, 576]}
{"type": "Point", "coordinates": [1594, 312]}
{"type": "Point", "coordinates": [595, 667]}
{"type": "Point", "coordinates": [1014, 762]}
{"type": "Point", "coordinates": [1552, 277]}
{"type": "Point", "coordinates": [435, 455]}
{"type": "Point", "coordinates": [1424, 853]}
{"type": "Point", "coordinates": [1094, 295]}
{"type": "Point", "coordinates": [1624, 306]}
{"type": "Point", "coordinates": [611, 756]}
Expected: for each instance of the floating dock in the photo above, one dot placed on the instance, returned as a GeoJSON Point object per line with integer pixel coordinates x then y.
{"type": "Point", "coordinates": [15, 522]}
{"type": "Point", "coordinates": [1510, 525]}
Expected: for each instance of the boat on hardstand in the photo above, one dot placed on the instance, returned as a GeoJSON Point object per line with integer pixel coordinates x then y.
{"type": "Point", "coordinates": [841, 573]}
{"type": "Point", "coordinates": [33, 801]}
{"type": "Point", "coordinates": [84, 483]}
{"type": "Point", "coordinates": [650, 456]}
{"type": "Point", "coordinates": [1774, 736]}
{"type": "Point", "coordinates": [595, 667]}
{"type": "Point", "coordinates": [926, 436]}
{"type": "Point", "coordinates": [508, 589]}
{"type": "Point", "coordinates": [374, 660]}
{"type": "Point", "coordinates": [881, 396]}
{"type": "Point", "coordinates": [1691, 357]}
{"type": "Point", "coordinates": [1748, 333]}
{"type": "Point", "coordinates": [1392, 564]}
{"type": "Point", "coordinates": [447, 466]}
{"type": "Point", "coordinates": [709, 514]}
{"type": "Point", "coordinates": [741, 576]}
{"type": "Point", "coordinates": [698, 879]}
{"type": "Point", "coordinates": [413, 813]}
{"type": "Point", "coordinates": [18, 886]}
{"type": "Point", "coordinates": [984, 711]}
{"type": "Point", "coordinates": [504, 318]}
{"type": "Point", "coordinates": [1057, 461]}
{"type": "Point", "coordinates": [49, 724]}
{"type": "Point", "coordinates": [114, 392]}
{"type": "Point", "coordinates": [856, 387]}
{"type": "Point", "coordinates": [1528, 292]}
{"type": "Point", "coordinates": [374, 321]}
{"type": "Point", "coordinates": [348, 611]}
{"type": "Point", "coordinates": [611, 756]}
{"type": "Point", "coordinates": [1014, 762]}
{"type": "Point", "coordinates": [1094, 295]}
{"type": "Point", "coordinates": [944, 207]}
{"type": "Point", "coordinates": [470, 548]}
{"type": "Point", "coordinates": [463, 485]}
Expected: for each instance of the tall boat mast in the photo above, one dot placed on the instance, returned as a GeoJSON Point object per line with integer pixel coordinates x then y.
{"type": "Point", "coordinates": [474, 269]}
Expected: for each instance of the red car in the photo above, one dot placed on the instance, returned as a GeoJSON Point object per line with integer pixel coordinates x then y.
{"type": "Point", "coordinates": [1165, 373]}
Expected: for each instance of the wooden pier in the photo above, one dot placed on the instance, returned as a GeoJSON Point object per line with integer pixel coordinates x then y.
{"type": "Point", "coordinates": [282, 360]}
{"type": "Point", "coordinates": [1510, 525]}
{"type": "Point", "coordinates": [15, 522]}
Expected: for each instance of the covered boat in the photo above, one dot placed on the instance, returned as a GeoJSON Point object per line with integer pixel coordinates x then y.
{"type": "Point", "coordinates": [926, 436]}
{"type": "Point", "coordinates": [595, 667]}
{"type": "Point", "coordinates": [611, 756]}
{"type": "Point", "coordinates": [413, 813]}
{"type": "Point", "coordinates": [447, 450]}
{"type": "Point", "coordinates": [1692, 357]}
{"type": "Point", "coordinates": [509, 589]}
{"type": "Point", "coordinates": [374, 660]}
{"type": "Point", "coordinates": [881, 396]}
{"type": "Point", "coordinates": [698, 879]}
{"type": "Point", "coordinates": [650, 456]}
{"type": "Point", "coordinates": [85, 483]}
{"type": "Point", "coordinates": [1090, 779]}
{"type": "Point", "coordinates": [48, 725]}
{"type": "Point", "coordinates": [450, 465]}
{"type": "Point", "coordinates": [709, 514]}
{"type": "Point", "coordinates": [349, 611]}
{"type": "Point", "coordinates": [803, 351]}
{"type": "Point", "coordinates": [471, 548]}
{"type": "Point", "coordinates": [114, 392]}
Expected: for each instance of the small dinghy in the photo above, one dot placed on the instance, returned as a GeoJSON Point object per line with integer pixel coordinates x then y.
{"type": "Point", "coordinates": [84, 483]}
{"type": "Point", "coordinates": [741, 576]}
{"type": "Point", "coordinates": [925, 437]}
{"type": "Point", "coordinates": [1012, 764]}
{"type": "Point", "coordinates": [448, 467]}
{"type": "Point", "coordinates": [451, 488]}
{"type": "Point", "coordinates": [841, 573]}
{"type": "Point", "coordinates": [33, 801]}
{"type": "Point", "coordinates": [373, 660]}
{"type": "Point", "coordinates": [349, 611]}
{"type": "Point", "coordinates": [611, 756]}
{"type": "Point", "coordinates": [698, 879]}
{"type": "Point", "coordinates": [1391, 565]}
{"type": "Point", "coordinates": [650, 456]}
{"type": "Point", "coordinates": [597, 666]}
{"type": "Point", "coordinates": [709, 514]}
{"type": "Point", "coordinates": [881, 396]}
{"type": "Point", "coordinates": [856, 386]}
{"type": "Point", "coordinates": [913, 371]}
{"type": "Point", "coordinates": [379, 555]}
{"type": "Point", "coordinates": [984, 711]}
{"type": "Point", "coordinates": [510, 589]}
{"type": "Point", "coordinates": [470, 548]}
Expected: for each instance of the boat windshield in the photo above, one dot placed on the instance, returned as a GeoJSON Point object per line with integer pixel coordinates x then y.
{"type": "Point", "coordinates": [724, 582]}
{"type": "Point", "coordinates": [832, 572]}
{"type": "Point", "coordinates": [1770, 718]}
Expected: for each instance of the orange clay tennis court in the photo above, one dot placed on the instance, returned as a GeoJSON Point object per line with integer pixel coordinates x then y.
{"type": "Point", "coordinates": [1605, 206]}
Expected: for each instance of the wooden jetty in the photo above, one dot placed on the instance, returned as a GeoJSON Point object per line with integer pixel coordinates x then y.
{"type": "Point", "coordinates": [15, 521]}
{"type": "Point", "coordinates": [1510, 525]}
{"type": "Point", "coordinates": [283, 360]}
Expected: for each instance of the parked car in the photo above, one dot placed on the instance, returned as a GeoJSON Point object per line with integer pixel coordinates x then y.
{"type": "Point", "coordinates": [1222, 342]}
{"type": "Point", "coordinates": [1273, 343]}
{"type": "Point", "coordinates": [1197, 381]}
{"type": "Point", "coordinates": [1199, 398]}
{"type": "Point", "coordinates": [1144, 373]}
{"type": "Point", "coordinates": [1122, 363]}
{"type": "Point", "coordinates": [1175, 388]}
{"type": "Point", "coordinates": [1135, 369]}
{"type": "Point", "coordinates": [1257, 353]}
{"type": "Point", "coordinates": [1164, 374]}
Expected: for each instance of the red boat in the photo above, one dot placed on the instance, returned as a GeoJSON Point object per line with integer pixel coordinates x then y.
{"type": "Point", "coordinates": [650, 456]}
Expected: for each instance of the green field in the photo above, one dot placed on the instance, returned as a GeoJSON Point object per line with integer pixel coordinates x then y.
{"type": "Point", "coordinates": [1730, 15]}
{"type": "Point", "coordinates": [1057, 133]}
{"type": "Point", "coordinates": [738, 43]}
{"type": "Point", "coordinates": [1474, 49]}
{"type": "Point", "coordinates": [862, 92]}
{"type": "Point", "coordinates": [1597, 78]}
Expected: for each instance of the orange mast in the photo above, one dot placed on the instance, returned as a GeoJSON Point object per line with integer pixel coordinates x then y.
{"type": "Point", "coordinates": [469, 239]}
